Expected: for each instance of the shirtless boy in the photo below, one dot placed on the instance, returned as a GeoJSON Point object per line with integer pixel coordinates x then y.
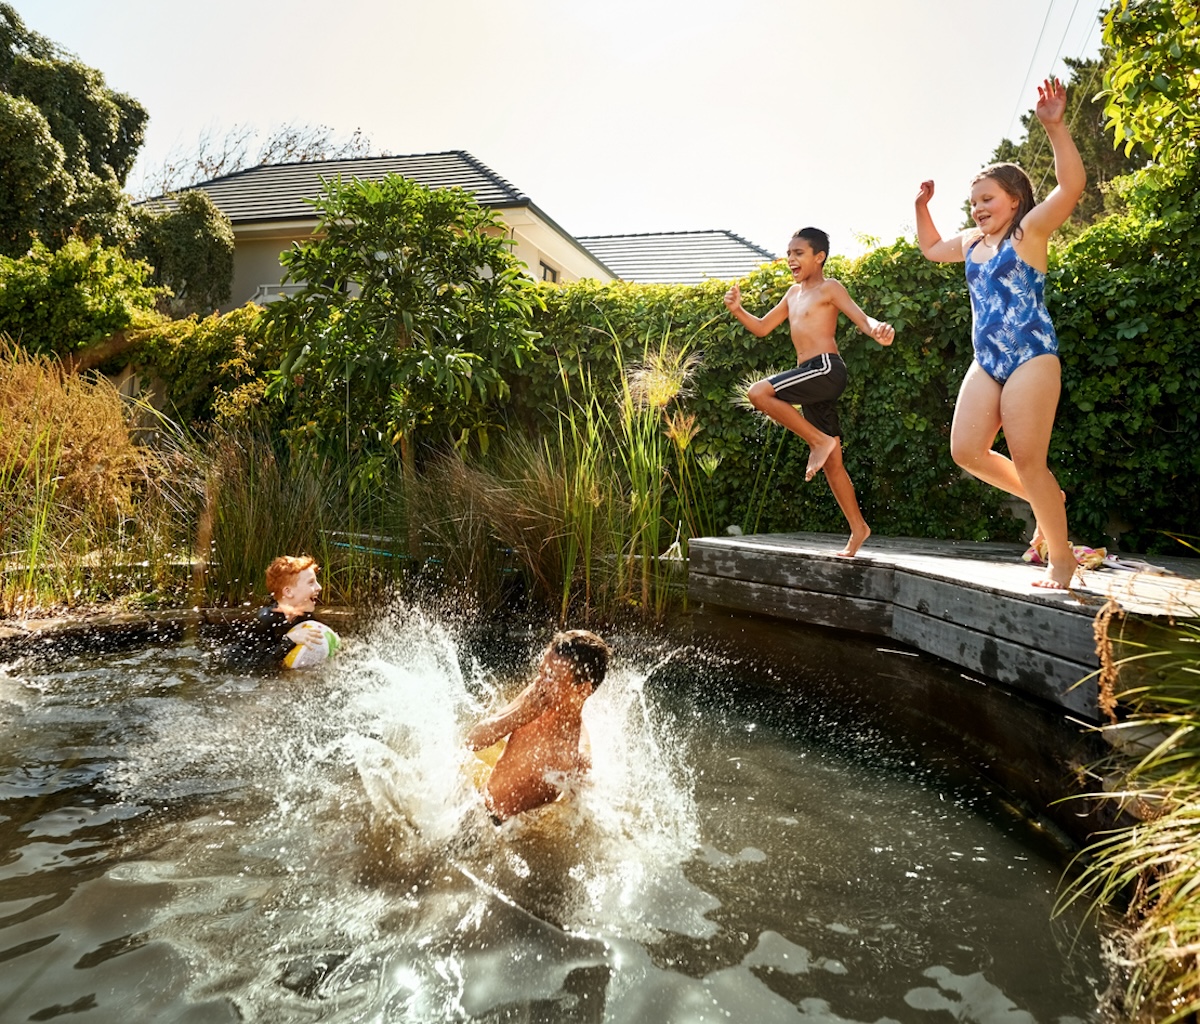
{"type": "Point", "coordinates": [547, 741]}
{"type": "Point", "coordinates": [811, 307]}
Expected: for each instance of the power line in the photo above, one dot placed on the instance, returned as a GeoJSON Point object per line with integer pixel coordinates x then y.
{"type": "Point", "coordinates": [1042, 140]}
{"type": "Point", "coordinates": [1032, 58]}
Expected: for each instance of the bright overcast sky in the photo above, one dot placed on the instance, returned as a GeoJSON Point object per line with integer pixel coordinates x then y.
{"type": "Point", "coordinates": [625, 116]}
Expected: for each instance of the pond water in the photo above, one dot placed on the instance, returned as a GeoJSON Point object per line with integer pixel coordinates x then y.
{"type": "Point", "coordinates": [179, 843]}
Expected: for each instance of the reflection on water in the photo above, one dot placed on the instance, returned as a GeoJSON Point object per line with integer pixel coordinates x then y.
{"type": "Point", "coordinates": [182, 844]}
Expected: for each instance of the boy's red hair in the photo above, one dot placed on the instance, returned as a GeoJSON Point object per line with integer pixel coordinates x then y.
{"type": "Point", "coordinates": [286, 568]}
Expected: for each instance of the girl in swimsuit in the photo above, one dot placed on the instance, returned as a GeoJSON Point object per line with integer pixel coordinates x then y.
{"type": "Point", "coordinates": [1015, 379]}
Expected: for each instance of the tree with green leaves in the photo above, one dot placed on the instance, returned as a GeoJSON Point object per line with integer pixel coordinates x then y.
{"type": "Point", "coordinates": [412, 307]}
{"type": "Point", "coordinates": [67, 144]}
{"type": "Point", "coordinates": [1087, 119]}
{"type": "Point", "coordinates": [189, 243]}
{"type": "Point", "coordinates": [1153, 81]}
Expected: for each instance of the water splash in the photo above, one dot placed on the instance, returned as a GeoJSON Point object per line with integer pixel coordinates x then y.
{"type": "Point", "coordinates": [308, 847]}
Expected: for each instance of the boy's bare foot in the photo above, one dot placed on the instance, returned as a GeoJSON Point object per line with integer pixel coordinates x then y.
{"type": "Point", "coordinates": [857, 538]}
{"type": "Point", "coordinates": [818, 455]}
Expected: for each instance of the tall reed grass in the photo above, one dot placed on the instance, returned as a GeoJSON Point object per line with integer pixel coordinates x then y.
{"type": "Point", "coordinates": [592, 516]}
{"type": "Point", "coordinates": [596, 512]}
{"type": "Point", "coordinates": [1150, 864]}
{"type": "Point", "coordinates": [260, 498]}
{"type": "Point", "coordinates": [69, 471]}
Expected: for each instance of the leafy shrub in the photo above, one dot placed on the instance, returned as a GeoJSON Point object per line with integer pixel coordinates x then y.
{"type": "Point", "coordinates": [57, 303]}
{"type": "Point", "coordinates": [210, 370]}
{"type": "Point", "coordinates": [1128, 434]}
{"type": "Point", "coordinates": [190, 246]}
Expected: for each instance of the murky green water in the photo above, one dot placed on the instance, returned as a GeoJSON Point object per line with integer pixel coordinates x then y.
{"type": "Point", "coordinates": [183, 844]}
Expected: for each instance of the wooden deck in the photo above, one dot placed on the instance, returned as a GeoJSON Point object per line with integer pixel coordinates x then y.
{"type": "Point", "coordinates": [971, 604]}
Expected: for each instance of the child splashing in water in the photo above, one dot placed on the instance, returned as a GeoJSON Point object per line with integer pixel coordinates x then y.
{"type": "Point", "coordinates": [811, 307]}
{"type": "Point", "coordinates": [547, 741]}
{"type": "Point", "coordinates": [1015, 379]}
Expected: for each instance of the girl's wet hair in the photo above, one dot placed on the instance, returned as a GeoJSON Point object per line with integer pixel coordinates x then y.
{"type": "Point", "coordinates": [1013, 180]}
{"type": "Point", "coordinates": [586, 652]}
{"type": "Point", "coordinates": [816, 238]}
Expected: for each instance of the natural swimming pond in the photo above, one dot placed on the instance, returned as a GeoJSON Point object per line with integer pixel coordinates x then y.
{"type": "Point", "coordinates": [179, 843]}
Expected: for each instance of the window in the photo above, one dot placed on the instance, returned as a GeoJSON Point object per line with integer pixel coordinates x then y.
{"type": "Point", "coordinates": [548, 272]}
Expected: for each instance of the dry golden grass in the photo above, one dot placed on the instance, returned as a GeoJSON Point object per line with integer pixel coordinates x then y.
{"type": "Point", "coordinates": [68, 470]}
{"type": "Point", "coordinates": [76, 426]}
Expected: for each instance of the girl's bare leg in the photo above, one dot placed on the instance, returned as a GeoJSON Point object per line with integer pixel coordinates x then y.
{"type": "Point", "coordinates": [1028, 403]}
{"type": "Point", "coordinates": [821, 445]}
{"type": "Point", "coordinates": [977, 421]}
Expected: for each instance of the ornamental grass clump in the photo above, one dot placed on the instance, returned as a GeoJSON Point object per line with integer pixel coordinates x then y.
{"type": "Point", "coordinates": [1150, 864]}
{"type": "Point", "coordinates": [68, 472]}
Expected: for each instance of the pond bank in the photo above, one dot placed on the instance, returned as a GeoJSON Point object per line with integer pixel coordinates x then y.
{"type": "Point", "coordinates": [969, 603]}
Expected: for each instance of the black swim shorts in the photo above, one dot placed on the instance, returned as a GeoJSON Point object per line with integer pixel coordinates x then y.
{"type": "Point", "coordinates": [815, 385]}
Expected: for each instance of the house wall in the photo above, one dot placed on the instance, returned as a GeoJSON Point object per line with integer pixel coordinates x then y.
{"type": "Point", "coordinates": [257, 249]}
{"type": "Point", "coordinates": [256, 263]}
{"type": "Point", "coordinates": [537, 242]}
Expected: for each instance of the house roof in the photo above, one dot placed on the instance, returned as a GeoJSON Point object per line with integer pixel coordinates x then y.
{"type": "Point", "coordinates": [677, 257]}
{"type": "Point", "coordinates": [278, 191]}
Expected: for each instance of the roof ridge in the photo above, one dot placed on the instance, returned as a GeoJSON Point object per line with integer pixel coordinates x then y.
{"type": "Point", "coordinates": [657, 234]}
{"type": "Point", "coordinates": [243, 171]}
{"type": "Point", "coordinates": [732, 235]}
{"type": "Point", "coordinates": [483, 168]}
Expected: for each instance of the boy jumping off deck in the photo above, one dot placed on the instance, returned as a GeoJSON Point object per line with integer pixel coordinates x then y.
{"type": "Point", "coordinates": [811, 307]}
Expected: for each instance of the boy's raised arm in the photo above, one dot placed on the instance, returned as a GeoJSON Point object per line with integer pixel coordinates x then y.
{"type": "Point", "coordinates": [882, 332]}
{"type": "Point", "coordinates": [759, 326]}
{"type": "Point", "coordinates": [522, 710]}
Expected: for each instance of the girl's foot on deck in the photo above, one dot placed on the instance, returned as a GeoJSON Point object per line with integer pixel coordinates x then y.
{"type": "Point", "coordinates": [1038, 537]}
{"type": "Point", "coordinates": [1056, 579]}
{"type": "Point", "coordinates": [818, 455]}
{"type": "Point", "coordinates": [856, 541]}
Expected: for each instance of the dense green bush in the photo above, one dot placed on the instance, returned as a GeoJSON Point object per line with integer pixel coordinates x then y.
{"type": "Point", "coordinates": [1128, 299]}
{"type": "Point", "coordinates": [189, 243]}
{"type": "Point", "coordinates": [896, 410]}
{"type": "Point", "coordinates": [212, 369]}
{"type": "Point", "coordinates": [59, 303]}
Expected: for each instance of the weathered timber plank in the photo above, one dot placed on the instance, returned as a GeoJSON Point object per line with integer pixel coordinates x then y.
{"type": "Point", "coordinates": [776, 566]}
{"type": "Point", "coordinates": [1066, 631]}
{"type": "Point", "coordinates": [1036, 672]}
{"type": "Point", "coordinates": [815, 608]}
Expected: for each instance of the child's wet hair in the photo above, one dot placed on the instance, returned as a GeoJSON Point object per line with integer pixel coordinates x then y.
{"type": "Point", "coordinates": [1013, 180]}
{"type": "Point", "coordinates": [587, 653]}
{"type": "Point", "coordinates": [816, 238]}
{"type": "Point", "coordinates": [286, 568]}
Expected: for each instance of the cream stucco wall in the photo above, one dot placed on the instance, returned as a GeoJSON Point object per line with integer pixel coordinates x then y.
{"type": "Point", "coordinates": [256, 265]}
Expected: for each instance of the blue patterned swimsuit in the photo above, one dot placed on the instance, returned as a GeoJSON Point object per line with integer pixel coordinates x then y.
{"type": "Point", "coordinates": [1011, 324]}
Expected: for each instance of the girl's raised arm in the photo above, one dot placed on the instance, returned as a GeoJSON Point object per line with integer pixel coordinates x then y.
{"type": "Point", "coordinates": [1052, 212]}
{"type": "Point", "coordinates": [934, 247]}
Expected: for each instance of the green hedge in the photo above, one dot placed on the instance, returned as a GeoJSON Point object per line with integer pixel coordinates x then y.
{"type": "Point", "coordinates": [1125, 298]}
{"type": "Point", "coordinates": [60, 302]}
{"type": "Point", "coordinates": [895, 412]}
{"type": "Point", "coordinates": [1127, 310]}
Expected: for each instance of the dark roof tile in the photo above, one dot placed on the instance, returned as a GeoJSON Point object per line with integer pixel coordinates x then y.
{"type": "Point", "coordinates": [677, 257]}
{"type": "Point", "coordinates": [278, 191]}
